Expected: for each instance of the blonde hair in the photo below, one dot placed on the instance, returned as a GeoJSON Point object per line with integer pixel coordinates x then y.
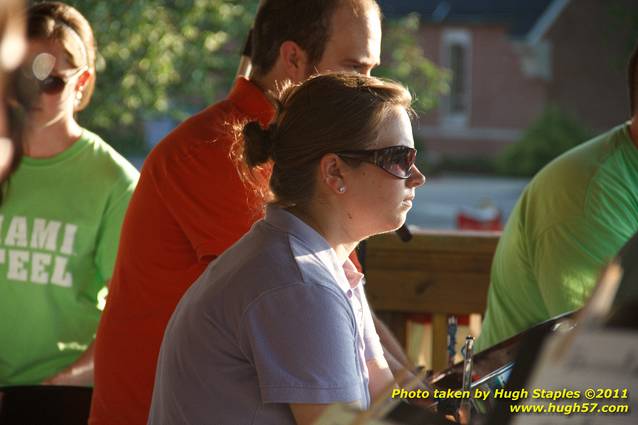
{"type": "Point", "coordinates": [63, 23]}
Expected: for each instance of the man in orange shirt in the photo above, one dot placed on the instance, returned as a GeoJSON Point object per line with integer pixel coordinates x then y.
{"type": "Point", "coordinates": [190, 204]}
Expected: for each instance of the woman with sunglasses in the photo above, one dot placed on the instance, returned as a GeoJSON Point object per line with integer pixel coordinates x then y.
{"type": "Point", "coordinates": [278, 327]}
{"type": "Point", "coordinates": [62, 211]}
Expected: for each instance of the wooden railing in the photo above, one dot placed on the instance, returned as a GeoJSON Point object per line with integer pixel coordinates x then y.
{"type": "Point", "coordinates": [437, 272]}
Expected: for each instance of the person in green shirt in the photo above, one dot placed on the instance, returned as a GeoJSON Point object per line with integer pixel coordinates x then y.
{"type": "Point", "coordinates": [571, 219]}
{"type": "Point", "coordinates": [61, 213]}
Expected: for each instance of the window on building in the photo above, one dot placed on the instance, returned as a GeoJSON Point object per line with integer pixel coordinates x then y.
{"type": "Point", "coordinates": [456, 57]}
{"type": "Point", "coordinates": [458, 101]}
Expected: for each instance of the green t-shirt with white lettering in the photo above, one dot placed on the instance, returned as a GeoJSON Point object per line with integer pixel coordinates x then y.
{"type": "Point", "coordinates": [59, 230]}
{"type": "Point", "coordinates": [572, 218]}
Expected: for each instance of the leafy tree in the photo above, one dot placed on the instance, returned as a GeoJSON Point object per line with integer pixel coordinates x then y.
{"type": "Point", "coordinates": [158, 58]}
{"type": "Point", "coordinates": [174, 57]}
{"type": "Point", "coordinates": [403, 60]}
{"type": "Point", "coordinates": [553, 133]}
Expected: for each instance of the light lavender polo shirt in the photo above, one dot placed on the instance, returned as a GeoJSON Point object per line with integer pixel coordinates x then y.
{"type": "Point", "coordinates": [274, 320]}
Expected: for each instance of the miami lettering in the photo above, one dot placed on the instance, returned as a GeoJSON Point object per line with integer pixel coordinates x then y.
{"type": "Point", "coordinates": [40, 255]}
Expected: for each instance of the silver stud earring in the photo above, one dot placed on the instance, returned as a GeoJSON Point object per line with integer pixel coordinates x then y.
{"type": "Point", "coordinates": [342, 189]}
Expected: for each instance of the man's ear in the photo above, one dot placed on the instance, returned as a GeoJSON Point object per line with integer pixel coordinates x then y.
{"type": "Point", "coordinates": [294, 60]}
{"type": "Point", "coordinates": [331, 173]}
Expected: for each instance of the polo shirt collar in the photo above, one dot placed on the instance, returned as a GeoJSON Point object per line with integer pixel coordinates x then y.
{"type": "Point", "coordinates": [346, 274]}
{"type": "Point", "coordinates": [251, 101]}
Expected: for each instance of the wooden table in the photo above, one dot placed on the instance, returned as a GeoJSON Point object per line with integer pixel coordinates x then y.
{"type": "Point", "coordinates": [437, 272]}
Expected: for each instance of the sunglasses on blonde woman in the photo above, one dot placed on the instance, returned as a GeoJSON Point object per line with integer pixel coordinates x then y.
{"type": "Point", "coordinates": [54, 84]}
{"type": "Point", "coordinates": [51, 84]}
{"type": "Point", "coordinates": [395, 160]}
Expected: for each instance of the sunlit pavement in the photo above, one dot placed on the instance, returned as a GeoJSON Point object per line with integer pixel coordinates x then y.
{"type": "Point", "coordinates": [438, 202]}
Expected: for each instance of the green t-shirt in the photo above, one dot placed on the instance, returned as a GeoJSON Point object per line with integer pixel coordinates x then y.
{"type": "Point", "coordinates": [59, 231]}
{"type": "Point", "coordinates": [572, 218]}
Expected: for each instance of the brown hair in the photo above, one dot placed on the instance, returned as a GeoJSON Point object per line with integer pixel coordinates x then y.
{"type": "Point", "coordinates": [326, 114]}
{"type": "Point", "coordinates": [64, 24]}
{"type": "Point", "coordinates": [307, 23]}
{"type": "Point", "coordinates": [632, 74]}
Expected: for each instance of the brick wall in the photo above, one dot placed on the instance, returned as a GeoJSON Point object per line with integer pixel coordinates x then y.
{"type": "Point", "coordinates": [503, 100]}
{"type": "Point", "coordinates": [590, 50]}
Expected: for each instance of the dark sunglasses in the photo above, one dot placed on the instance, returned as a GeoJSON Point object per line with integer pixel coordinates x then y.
{"type": "Point", "coordinates": [396, 160]}
{"type": "Point", "coordinates": [51, 84]}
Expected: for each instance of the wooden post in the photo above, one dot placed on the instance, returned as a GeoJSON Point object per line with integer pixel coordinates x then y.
{"type": "Point", "coordinates": [439, 342]}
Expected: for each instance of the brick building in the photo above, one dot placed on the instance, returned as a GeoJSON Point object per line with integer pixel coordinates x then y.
{"type": "Point", "coordinates": [511, 58]}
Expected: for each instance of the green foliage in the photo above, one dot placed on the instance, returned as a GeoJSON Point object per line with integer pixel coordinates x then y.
{"type": "Point", "coordinates": [162, 58]}
{"type": "Point", "coordinates": [403, 60]}
{"type": "Point", "coordinates": [553, 133]}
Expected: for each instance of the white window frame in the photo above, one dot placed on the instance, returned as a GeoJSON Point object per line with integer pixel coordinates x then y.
{"type": "Point", "coordinates": [462, 37]}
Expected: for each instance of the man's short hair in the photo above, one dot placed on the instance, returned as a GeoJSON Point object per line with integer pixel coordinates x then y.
{"type": "Point", "coordinates": [632, 75]}
{"type": "Point", "coordinates": [306, 22]}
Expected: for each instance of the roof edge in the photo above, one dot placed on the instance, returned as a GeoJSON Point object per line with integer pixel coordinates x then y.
{"type": "Point", "coordinates": [545, 22]}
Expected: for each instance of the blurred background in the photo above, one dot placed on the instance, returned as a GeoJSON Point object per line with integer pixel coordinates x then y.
{"type": "Point", "coordinates": [502, 86]}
